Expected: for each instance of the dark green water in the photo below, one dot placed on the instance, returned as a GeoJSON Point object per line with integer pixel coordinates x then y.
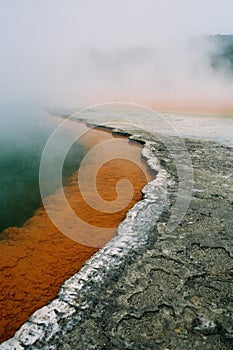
{"type": "Point", "coordinates": [23, 136]}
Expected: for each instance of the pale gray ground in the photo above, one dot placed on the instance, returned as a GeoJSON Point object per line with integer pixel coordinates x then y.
{"type": "Point", "coordinates": [172, 291]}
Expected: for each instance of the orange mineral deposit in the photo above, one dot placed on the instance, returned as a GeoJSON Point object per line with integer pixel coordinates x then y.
{"type": "Point", "coordinates": [37, 258]}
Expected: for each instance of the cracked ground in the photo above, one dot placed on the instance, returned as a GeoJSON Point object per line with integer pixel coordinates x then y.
{"type": "Point", "coordinates": [178, 293]}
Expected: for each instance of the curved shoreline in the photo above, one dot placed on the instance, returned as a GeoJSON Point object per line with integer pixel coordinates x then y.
{"type": "Point", "coordinates": [36, 259]}
{"type": "Point", "coordinates": [133, 234]}
{"type": "Point", "coordinates": [197, 255]}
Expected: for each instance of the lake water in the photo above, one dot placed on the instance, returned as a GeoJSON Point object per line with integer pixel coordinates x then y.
{"type": "Point", "coordinates": [23, 135]}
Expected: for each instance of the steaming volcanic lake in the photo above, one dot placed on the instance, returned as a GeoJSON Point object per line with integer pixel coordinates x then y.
{"type": "Point", "coordinates": [23, 135]}
{"type": "Point", "coordinates": [36, 258]}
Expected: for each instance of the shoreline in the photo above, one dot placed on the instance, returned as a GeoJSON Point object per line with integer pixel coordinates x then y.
{"type": "Point", "coordinates": [37, 258]}
{"type": "Point", "coordinates": [81, 292]}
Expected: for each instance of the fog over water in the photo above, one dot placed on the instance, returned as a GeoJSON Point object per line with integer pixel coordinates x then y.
{"type": "Point", "coordinates": [63, 55]}
{"type": "Point", "coordinates": [83, 52]}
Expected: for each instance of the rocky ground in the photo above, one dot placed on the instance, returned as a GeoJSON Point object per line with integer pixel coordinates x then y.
{"type": "Point", "coordinates": [149, 288]}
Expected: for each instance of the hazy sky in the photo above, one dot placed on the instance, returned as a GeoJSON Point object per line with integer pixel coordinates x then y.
{"type": "Point", "coordinates": [112, 22]}
{"type": "Point", "coordinates": [53, 48]}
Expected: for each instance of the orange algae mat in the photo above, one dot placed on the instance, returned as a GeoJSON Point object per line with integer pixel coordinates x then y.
{"type": "Point", "coordinates": [37, 258]}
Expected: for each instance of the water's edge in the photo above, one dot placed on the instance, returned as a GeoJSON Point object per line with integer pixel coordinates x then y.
{"type": "Point", "coordinates": [80, 291]}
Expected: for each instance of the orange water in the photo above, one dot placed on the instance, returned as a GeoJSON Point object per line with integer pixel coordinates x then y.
{"type": "Point", "coordinates": [37, 258]}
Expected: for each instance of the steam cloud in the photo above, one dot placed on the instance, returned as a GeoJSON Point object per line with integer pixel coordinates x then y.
{"type": "Point", "coordinates": [56, 53]}
{"type": "Point", "coordinates": [64, 55]}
